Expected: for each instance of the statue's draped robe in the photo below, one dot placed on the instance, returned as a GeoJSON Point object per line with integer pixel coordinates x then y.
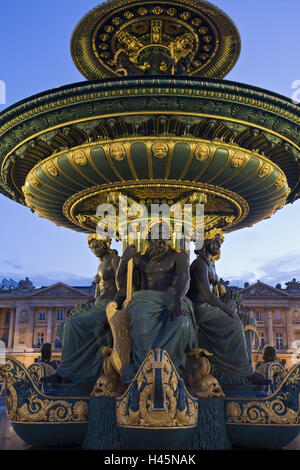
{"type": "Point", "coordinates": [225, 338]}
{"type": "Point", "coordinates": [151, 327]}
{"type": "Point", "coordinates": [83, 336]}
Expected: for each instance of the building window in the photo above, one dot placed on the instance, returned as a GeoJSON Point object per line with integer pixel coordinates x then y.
{"type": "Point", "coordinates": [277, 315]}
{"type": "Point", "coordinates": [262, 340]}
{"type": "Point", "coordinates": [7, 317]}
{"type": "Point", "coordinates": [60, 315]}
{"type": "Point", "coordinates": [5, 340]}
{"type": "Point", "coordinates": [57, 343]}
{"type": "Point", "coordinates": [42, 317]}
{"type": "Point", "coordinates": [40, 339]}
{"type": "Point", "coordinates": [279, 340]}
{"type": "Point", "coordinates": [259, 316]}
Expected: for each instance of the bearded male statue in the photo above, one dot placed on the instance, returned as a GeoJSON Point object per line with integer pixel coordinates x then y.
{"type": "Point", "coordinates": [86, 330]}
{"type": "Point", "coordinates": [160, 316]}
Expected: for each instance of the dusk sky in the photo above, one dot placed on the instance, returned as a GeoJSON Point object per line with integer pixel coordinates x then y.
{"type": "Point", "coordinates": [34, 57]}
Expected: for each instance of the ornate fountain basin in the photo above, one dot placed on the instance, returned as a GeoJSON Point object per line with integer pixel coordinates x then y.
{"type": "Point", "coordinates": [158, 139]}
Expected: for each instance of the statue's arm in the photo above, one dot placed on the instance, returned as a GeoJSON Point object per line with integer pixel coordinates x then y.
{"type": "Point", "coordinates": [121, 272]}
{"type": "Point", "coordinates": [202, 284]}
{"type": "Point", "coordinates": [182, 283]}
{"type": "Point", "coordinates": [97, 289]}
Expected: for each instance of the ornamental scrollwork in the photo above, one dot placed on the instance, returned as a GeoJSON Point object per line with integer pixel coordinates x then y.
{"type": "Point", "coordinates": [27, 403]}
{"type": "Point", "coordinates": [282, 407]}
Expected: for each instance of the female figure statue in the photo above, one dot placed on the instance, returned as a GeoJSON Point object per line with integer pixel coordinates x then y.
{"type": "Point", "coordinates": [86, 331]}
{"type": "Point", "coordinates": [221, 330]}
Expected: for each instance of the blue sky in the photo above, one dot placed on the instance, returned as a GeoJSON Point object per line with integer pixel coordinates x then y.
{"type": "Point", "coordinates": [34, 56]}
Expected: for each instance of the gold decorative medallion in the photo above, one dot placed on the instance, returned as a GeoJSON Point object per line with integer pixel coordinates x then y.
{"type": "Point", "coordinates": [238, 159]}
{"type": "Point", "coordinates": [202, 152]}
{"type": "Point", "coordinates": [160, 149]}
{"type": "Point", "coordinates": [141, 26]}
{"type": "Point", "coordinates": [117, 151]}
{"type": "Point", "coordinates": [265, 170]}
{"type": "Point", "coordinates": [51, 168]}
{"type": "Point", "coordinates": [79, 157]}
{"type": "Point", "coordinates": [280, 182]}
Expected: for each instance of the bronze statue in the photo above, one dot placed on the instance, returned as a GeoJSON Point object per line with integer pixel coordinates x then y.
{"type": "Point", "coordinates": [108, 265]}
{"type": "Point", "coordinates": [86, 330]}
{"type": "Point", "coordinates": [160, 315]}
{"type": "Point", "coordinates": [221, 329]}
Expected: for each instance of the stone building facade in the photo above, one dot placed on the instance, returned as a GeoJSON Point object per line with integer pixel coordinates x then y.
{"type": "Point", "coordinates": [277, 314]}
{"type": "Point", "coordinates": [30, 316]}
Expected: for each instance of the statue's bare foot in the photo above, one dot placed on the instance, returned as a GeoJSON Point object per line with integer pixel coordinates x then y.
{"type": "Point", "coordinates": [258, 379]}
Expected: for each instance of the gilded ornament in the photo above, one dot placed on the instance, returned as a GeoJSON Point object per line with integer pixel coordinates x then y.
{"type": "Point", "coordinates": [79, 157]}
{"type": "Point", "coordinates": [170, 393]}
{"type": "Point", "coordinates": [108, 386]}
{"type": "Point", "coordinates": [109, 28]}
{"type": "Point", "coordinates": [128, 15]}
{"type": "Point", "coordinates": [238, 159]}
{"type": "Point", "coordinates": [201, 383]}
{"type": "Point", "coordinates": [117, 151]}
{"type": "Point", "coordinates": [202, 152]}
{"type": "Point", "coordinates": [185, 15]}
{"type": "Point", "coordinates": [265, 171]}
{"type": "Point", "coordinates": [196, 21]}
{"type": "Point", "coordinates": [207, 38]}
{"type": "Point", "coordinates": [142, 11]}
{"type": "Point", "coordinates": [157, 10]}
{"type": "Point", "coordinates": [26, 191]}
{"type": "Point", "coordinates": [160, 149]}
{"type": "Point", "coordinates": [182, 46]}
{"type": "Point", "coordinates": [51, 168]}
{"type": "Point", "coordinates": [282, 407]}
{"type": "Point", "coordinates": [233, 411]}
{"type": "Point", "coordinates": [280, 182]}
{"type": "Point", "coordinates": [211, 234]}
{"type": "Point", "coordinates": [171, 11]}
{"type": "Point", "coordinates": [33, 180]}
{"type": "Point", "coordinates": [203, 30]}
{"type": "Point", "coordinates": [81, 218]}
{"type": "Point", "coordinates": [117, 20]}
{"type": "Point", "coordinates": [35, 406]}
